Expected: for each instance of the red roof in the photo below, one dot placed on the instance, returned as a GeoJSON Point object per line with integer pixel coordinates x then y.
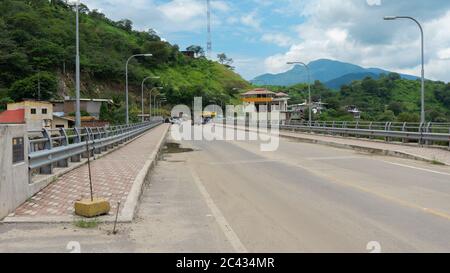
{"type": "Point", "coordinates": [12, 116]}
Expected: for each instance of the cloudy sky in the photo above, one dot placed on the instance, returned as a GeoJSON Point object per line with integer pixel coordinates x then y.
{"type": "Point", "coordinates": [262, 35]}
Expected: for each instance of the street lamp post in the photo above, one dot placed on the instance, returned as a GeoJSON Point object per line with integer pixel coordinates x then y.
{"type": "Point", "coordinates": [422, 110]}
{"type": "Point", "coordinates": [77, 68]}
{"type": "Point", "coordinates": [126, 82]}
{"type": "Point", "coordinates": [142, 94]}
{"type": "Point", "coordinates": [151, 90]}
{"type": "Point", "coordinates": [155, 104]}
{"type": "Point", "coordinates": [161, 99]}
{"type": "Point", "coordinates": [161, 102]}
{"type": "Point", "coordinates": [309, 89]}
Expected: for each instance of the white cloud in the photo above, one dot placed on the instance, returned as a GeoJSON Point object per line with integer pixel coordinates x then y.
{"type": "Point", "coordinates": [168, 17]}
{"type": "Point", "coordinates": [278, 39]}
{"type": "Point", "coordinates": [181, 10]}
{"type": "Point", "coordinates": [251, 19]}
{"type": "Point", "coordinates": [444, 54]}
{"type": "Point", "coordinates": [354, 31]}
{"type": "Point", "coordinates": [373, 2]}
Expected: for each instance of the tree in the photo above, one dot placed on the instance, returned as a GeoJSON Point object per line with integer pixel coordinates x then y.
{"type": "Point", "coordinates": [125, 24]}
{"type": "Point", "coordinates": [396, 107]}
{"type": "Point", "coordinates": [41, 86]}
{"type": "Point", "coordinates": [223, 59]}
{"type": "Point", "coordinates": [4, 102]}
{"type": "Point", "coordinates": [394, 76]}
{"type": "Point", "coordinates": [408, 117]}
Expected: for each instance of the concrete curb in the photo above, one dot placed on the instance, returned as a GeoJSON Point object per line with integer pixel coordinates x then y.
{"type": "Point", "coordinates": [371, 150]}
{"type": "Point", "coordinates": [361, 148]}
{"type": "Point", "coordinates": [129, 209]}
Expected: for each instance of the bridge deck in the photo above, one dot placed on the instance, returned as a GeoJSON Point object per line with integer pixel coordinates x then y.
{"type": "Point", "coordinates": [112, 176]}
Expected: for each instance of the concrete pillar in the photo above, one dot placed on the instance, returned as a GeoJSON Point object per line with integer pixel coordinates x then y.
{"type": "Point", "coordinates": [63, 163]}
{"type": "Point", "coordinates": [14, 179]}
{"type": "Point", "coordinates": [75, 158]}
{"type": "Point", "coordinates": [46, 169]}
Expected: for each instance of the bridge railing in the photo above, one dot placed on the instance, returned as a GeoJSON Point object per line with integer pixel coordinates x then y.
{"type": "Point", "coordinates": [422, 133]}
{"type": "Point", "coordinates": [50, 148]}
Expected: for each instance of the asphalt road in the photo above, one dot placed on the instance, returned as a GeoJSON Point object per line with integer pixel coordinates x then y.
{"type": "Point", "coordinates": [314, 198]}
{"type": "Point", "coordinates": [226, 196]}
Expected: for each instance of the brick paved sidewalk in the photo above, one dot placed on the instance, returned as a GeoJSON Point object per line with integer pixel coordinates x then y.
{"type": "Point", "coordinates": [112, 176]}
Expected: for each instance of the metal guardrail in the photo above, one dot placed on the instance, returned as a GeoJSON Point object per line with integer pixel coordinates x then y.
{"type": "Point", "coordinates": [424, 134]}
{"type": "Point", "coordinates": [54, 148]}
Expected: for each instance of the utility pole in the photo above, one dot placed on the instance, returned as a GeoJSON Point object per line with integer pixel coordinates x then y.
{"type": "Point", "coordinates": [77, 64]}
{"type": "Point", "coordinates": [209, 42]}
{"type": "Point", "coordinates": [39, 85]}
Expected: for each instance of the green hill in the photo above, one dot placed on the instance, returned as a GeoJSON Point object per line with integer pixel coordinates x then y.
{"type": "Point", "coordinates": [388, 98]}
{"type": "Point", "coordinates": [37, 45]}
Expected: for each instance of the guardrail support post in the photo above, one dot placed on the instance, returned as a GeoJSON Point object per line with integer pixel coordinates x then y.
{"type": "Point", "coordinates": [48, 146]}
{"type": "Point", "coordinates": [386, 129]}
{"type": "Point", "coordinates": [76, 139]}
{"type": "Point", "coordinates": [63, 163]}
{"type": "Point", "coordinates": [428, 130]}
{"type": "Point", "coordinates": [97, 150]}
{"type": "Point", "coordinates": [420, 142]}
{"type": "Point", "coordinates": [87, 154]}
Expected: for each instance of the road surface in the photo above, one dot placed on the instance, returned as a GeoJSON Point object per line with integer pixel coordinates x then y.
{"type": "Point", "coordinates": [314, 198]}
{"type": "Point", "coordinates": [224, 196]}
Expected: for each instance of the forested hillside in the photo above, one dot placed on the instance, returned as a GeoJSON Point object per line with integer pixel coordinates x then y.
{"type": "Point", "coordinates": [37, 47]}
{"type": "Point", "coordinates": [388, 98]}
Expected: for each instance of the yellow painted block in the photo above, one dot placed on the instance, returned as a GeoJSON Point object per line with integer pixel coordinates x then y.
{"type": "Point", "coordinates": [89, 209]}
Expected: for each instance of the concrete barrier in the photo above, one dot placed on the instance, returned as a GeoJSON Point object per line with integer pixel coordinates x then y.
{"type": "Point", "coordinates": [14, 187]}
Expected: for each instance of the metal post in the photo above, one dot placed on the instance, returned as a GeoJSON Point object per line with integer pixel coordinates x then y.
{"type": "Point", "coordinates": [77, 64]}
{"type": "Point", "coordinates": [126, 83]}
{"type": "Point", "coordinates": [309, 90]}
{"type": "Point", "coordinates": [422, 108]}
{"type": "Point", "coordinates": [142, 96]}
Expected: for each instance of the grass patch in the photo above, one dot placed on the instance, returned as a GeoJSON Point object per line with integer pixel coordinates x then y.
{"type": "Point", "coordinates": [87, 223]}
{"type": "Point", "coordinates": [437, 162]}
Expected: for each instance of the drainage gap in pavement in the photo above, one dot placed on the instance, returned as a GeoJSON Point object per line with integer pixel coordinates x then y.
{"type": "Point", "coordinates": [174, 148]}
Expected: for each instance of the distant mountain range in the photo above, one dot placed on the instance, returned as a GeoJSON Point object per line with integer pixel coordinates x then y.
{"type": "Point", "coordinates": [332, 73]}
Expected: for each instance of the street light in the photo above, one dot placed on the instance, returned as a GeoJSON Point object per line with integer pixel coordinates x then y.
{"type": "Point", "coordinates": [162, 97]}
{"type": "Point", "coordinates": [156, 103]}
{"type": "Point", "coordinates": [309, 88]}
{"type": "Point", "coordinates": [77, 68]}
{"type": "Point", "coordinates": [151, 90]}
{"type": "Point", "coordinates": [126, 81]}
{"type": "Point", "coordinates": [422, 111]}
{"type": "Point", "coordinates": [161, 102]}
{"type": "Point", "coordinates": [142, 93]}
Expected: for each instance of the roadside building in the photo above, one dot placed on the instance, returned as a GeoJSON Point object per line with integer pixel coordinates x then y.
{"type": "Point", "coordinates": [353, 109]}
{"type": "Point", "coordinates": [62, 122]}
{"type": "Point", "coordinates": [266, 100]}
{"type": "Point", "coordinates": [91, 106]}
{"type": "Point", "coordinates": [188, 53]}
{"type": "Point", "coordinates": [36, 114]}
